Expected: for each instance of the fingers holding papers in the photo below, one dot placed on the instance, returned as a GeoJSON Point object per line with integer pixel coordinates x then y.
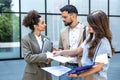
{"type": "Point", "coordinates": [56, 53]}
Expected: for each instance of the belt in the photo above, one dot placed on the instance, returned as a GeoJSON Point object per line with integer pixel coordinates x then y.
{"type": "Point", "coordinates": [72, 64]}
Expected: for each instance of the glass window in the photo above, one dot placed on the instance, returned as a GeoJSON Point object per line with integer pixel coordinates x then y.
{"type": "Point", "coordinates": [53, 6]}
{"type": "Point", "coordinates": [9, 5]}
{"type": "Point", "coordinates": [82, 6]}
{"type": "Point", "coordinates": [115, 27]}
{"type": "Point", "coordinates": [83, 20]}
{"type": "Point", "coordinates": [27, 5]}
{"type": "Point", "coordinates": [103, 5]}
{"type": "Point", "coordinates": [9, 36]}
{"type": "Point", "coordinates": [15, 5]}
{"type": "Point", "coordinates": [10, 11]}
{"type": "Point", "coordinates": [54, 26]}
{"type": "Point", "coordinates": [24, 30]}
{"type": "Point", "coordinates": [114, 7]}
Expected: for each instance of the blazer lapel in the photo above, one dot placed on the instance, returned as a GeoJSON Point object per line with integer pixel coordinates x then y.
{"type": "Point", "coordinates": [43, 39]}
{"type": "Point", "coordinates": [66, 36]}
{"type": "Point", "coordinates": [47, 44]}
{"type": "Point", "coordinates": [35, 42]}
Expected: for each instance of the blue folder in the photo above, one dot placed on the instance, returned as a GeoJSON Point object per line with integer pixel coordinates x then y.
{"type": "Point", "coordinates": [79, 69]}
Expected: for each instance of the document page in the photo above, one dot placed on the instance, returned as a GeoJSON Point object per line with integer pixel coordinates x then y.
{"type": "Point", "coordinates": [62, 70]}
{"type": "Point", "coordinates": [59, 58]}
{"type": "Point", "coordinates": [57, 70]}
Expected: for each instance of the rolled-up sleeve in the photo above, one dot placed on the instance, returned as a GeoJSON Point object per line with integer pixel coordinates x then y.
{"type": "Point", "coordinates": [102, 58]}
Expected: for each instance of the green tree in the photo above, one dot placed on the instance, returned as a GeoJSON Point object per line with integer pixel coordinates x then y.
{"type": "Point", "coordinates": [9, 25]}
{"type": "Point", "coordinates": [5, 29]}
{"type": "Point", "coordinates": [5, 5]}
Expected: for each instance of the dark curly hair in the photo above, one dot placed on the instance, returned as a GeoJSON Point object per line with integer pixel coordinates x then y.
{"type": "Point", "coordinates": [98, 20]}
{"type": "Point", "coordinates": [31, 19]}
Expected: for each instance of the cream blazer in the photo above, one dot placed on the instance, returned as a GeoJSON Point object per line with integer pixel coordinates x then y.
{"type": "Point", "coordinates": [64, 39]}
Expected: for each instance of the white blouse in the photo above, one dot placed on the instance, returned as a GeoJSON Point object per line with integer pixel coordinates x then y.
{"type": "Point", "coordinates": [39, 40]}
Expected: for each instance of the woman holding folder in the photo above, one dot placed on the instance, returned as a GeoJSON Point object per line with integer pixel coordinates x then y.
{"type": "Point", "coordinates": [96, 49]}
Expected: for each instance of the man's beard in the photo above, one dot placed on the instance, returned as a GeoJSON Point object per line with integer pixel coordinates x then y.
{"type": "Point", "coordinates": [68, 24]}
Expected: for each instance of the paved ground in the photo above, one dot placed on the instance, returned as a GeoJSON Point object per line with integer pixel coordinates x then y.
{"type": "Point", "coordinates": [13, 69]}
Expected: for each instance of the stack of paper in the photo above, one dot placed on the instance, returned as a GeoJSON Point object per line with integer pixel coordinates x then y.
{"type": "Point", "coordinates": [59, 58]}
{"type": "Point", "coordinates": [57, 70]}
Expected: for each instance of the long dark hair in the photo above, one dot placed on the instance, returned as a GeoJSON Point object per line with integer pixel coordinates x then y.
{"type": "Point", "coordinates": [98, 20]}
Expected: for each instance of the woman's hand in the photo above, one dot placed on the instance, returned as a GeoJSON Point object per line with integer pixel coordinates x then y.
{"type": "Point", "coordinates": [49, 60]}
{"type": "Point", "coordinates": [74, 75]}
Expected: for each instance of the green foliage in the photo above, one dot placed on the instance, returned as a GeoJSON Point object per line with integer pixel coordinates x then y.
{"type": "Point", "coordinates": [9, 28]}
{"type": "Point", "coordinates": [5, 29]}
{"type": "Point", "coordinates": [9, 23]}
{"type": "Point", "coordinates": [5, 5]}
